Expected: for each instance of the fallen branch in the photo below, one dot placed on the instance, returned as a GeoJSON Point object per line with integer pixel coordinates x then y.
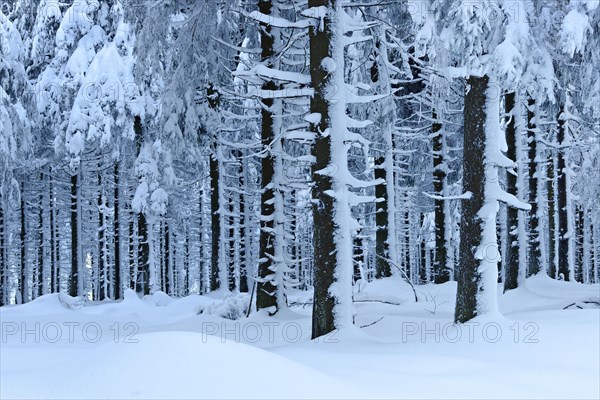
{"type": "Point", "coordinates": [372, 323]}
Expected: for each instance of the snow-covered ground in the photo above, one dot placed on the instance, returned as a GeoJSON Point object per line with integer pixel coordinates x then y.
{"type": "Point", "coordinates": [158, 347]}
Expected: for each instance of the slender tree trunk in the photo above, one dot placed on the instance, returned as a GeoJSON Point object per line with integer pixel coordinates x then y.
{"type": "Point", "coordinates": [24, 278]}
{"type": "Point", "coordinates": [231, 243]}
{"type": "Point", "coordinates": [53, 246]}
{"type": "Point", "coordinates": [102, 281]}
{"type": "Point", "coordinates": [551, 216]}
{"type": "Point", "coordinates": [441, 273]}
{"type": "Point", "coordinates": [563, 220]}
{"type": "Point", "coordinates": [40, 243]}
{"type": "Point", "coordinates": [132, 255]}
{"type": "Point", "coordinates": [215, 223]}
{"type": "Point", "coordinates": [118, 290]}
{"type": "Point", "coordinates": [168, 267]}
{"type": "Point", "coordinates": [511, 266]}
{"type": "Point", "coordinates": [243, 242]}
{"type": "Point", "coordinates": [579, 244]}
{"type": "Point", "coordinates": [3, 257]}
{"type": "Point", "coordinates": [75, 268]}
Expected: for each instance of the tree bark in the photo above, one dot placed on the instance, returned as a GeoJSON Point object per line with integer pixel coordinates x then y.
{"type": "Point", "coordinates": [551, 216]}
{"type": "Point", "coordinates": [382, 249]}
{"type": "Point", "coordinates": [118, 290]}
{"type": "Point", "coordinates": [441, 273]}
{"type": "Point", "coordinates": [511, 266]}
{"type": "Point", "coordinates": [563, 221]}
{"type": "Point", "coordinates": [215, 223]}
{"type": "Point", "coordinates": [471, 233]}
{"type": "Point", "coordinates": [535, 249]}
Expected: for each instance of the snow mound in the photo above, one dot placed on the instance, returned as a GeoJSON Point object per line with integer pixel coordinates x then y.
{"type": "Point", "coordinates": [193, 365]}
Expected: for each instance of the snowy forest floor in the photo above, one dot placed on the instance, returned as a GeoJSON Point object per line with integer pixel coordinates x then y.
{"type": "Point", "coordinates": [545, 345]}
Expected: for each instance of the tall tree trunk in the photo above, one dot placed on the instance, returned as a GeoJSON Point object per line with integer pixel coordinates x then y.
{"type": "Point", "coordinates": [563, 220]}
{"type": "Point", "coordinates": [168, 267]}
{"type": "Point", "coordinates": [132, 255]}
{"type": "Point", "coordinates": [243, 240]}
{"type": "Point", "coordinates": [118, 290]}
{"type": "Point", "coordinates": [102, 278]}
{"type": "Point", "coordinates": [551, 216]}
{"type": "Point", "coordinates": [332, 217]}
{"type": "Point", "coordinates": [3, 257]}
{"type": "Point", "coordinates": [382, 249]}
{"type": "Point", "coordinates": [75, 267]}
{"type": "Point", "coordinates": [24, 278]}
{"type": "Point", "coordinates": [266, 290]}
{"type": "Point", "coordinates": [471, 232]}
{"type": "Point", "coordinates": [53, 246]}
{"type": "Point", "coordinates": [511, 267]}
{"type": "Point", "coordinates": [534, 258]}
{"type": "Point", "coordinates": [143, 261]}
{"type": "Point", "coordinates": [441, 273]}
{"type": "Point", "coordinates": [215, 223]}
{"type": "Point", "coordinates": [579, 244]}
{"type": "Point", "coordinates": [40, 243]}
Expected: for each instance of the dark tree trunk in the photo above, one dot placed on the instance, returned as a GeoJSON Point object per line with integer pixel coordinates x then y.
{"type": "Point", "coordinates": [168, 266]}
{"type": "Point", "coordinates": [143, 259]}
{"type": "Point", "coordinates": [132, 257]}
{"type": "Point", "coordinates": [265, 290]}
{"type": "Point", "coordinates": [3, 258]}
{"type": "Point", "coordinates": [423, 256]}
{"type": "Point", "coordinates": [23, 281]}
{"type": "Point", "coordinates": [215, 224]}
{"type": "Point", "coordinates": [201, 263]}
{"type": "Point", "coordinates": [53, 246]}
{"type": "Point", "coordinates": [551, 217]}
{"type": "Point", "coordinates": [535, 250]}
{"type": "Point", "coordinates": [563, 222]}
{"type": "Point", "coordinates": [40, 243]}
{"type": "Point", "coordinates": [102, 282]}
{"type": "Point", "coordinates": [186, 263]}
{"type": "Point", "coordinates": [75, 267]}
{"type": "Point", "coordinates": [118, 290]}
{"type": "Point", "coordinates": [325, 250]}
{"type": "Point", "coordinates": [359, 256]}
{"type": "Point", "coordinates": [579, 244]}
{"type": "Point", "coordinates": [231, 244]}
{"type": "Point", "coordinates": [474, 182]}
{"type": "Point", "coordinates": [382, 246]}
{"type": "Point", "coordinates": [441, 274]}
{"type": "Point", "coordinates": [242, 239]}
{"type": "Point", "coordinates": [511, 266]}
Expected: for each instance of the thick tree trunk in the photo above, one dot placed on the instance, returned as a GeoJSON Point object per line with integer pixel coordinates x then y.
{"type": "Point", "coordinates": [332, 217]}
{"type": "Point", "coordinates": [266, 296]}
{"type": "Point", "coordinates": [511, 266]}
{"type": "Point", "coordinates": [563, 216]}
{"type": "Point", "coordinates": [382, 249]}
{"type": "Point", "coordinates": [132, 255]}
{"type": "Point", "coordinates": [471, 232]}
{"type": "Point", "coordinates": [118, 290]}
{"type": "Point", "coordinates": [441, 272]}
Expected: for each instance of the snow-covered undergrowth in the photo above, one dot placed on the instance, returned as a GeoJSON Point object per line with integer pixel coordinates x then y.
{"type": "Point", "coordinates": [545, 345]}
